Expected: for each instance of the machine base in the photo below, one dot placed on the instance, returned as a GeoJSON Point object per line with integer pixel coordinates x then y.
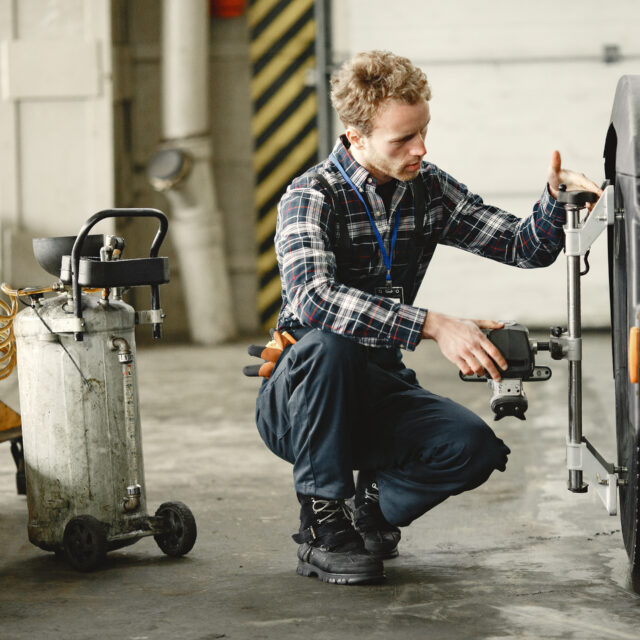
{"type": "Point", "coordinates": [601, 474]}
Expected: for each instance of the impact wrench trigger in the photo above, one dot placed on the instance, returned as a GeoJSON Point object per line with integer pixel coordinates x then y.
{"type": "Point", "coordinates": [269, 353]}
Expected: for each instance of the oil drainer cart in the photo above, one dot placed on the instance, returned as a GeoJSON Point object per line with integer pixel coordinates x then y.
{"type": "Point", "coordinates": [79, 399]}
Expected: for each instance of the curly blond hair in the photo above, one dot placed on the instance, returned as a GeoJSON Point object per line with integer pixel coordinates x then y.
{"type": "Point", "coordinates": [366, 80]}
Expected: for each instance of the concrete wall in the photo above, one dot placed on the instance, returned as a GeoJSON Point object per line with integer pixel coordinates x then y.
{"type": "Point", "coordinates": [511, 82]}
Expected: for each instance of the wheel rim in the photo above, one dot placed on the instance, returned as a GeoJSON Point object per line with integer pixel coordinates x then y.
{"type": "Point", "coordinates": [175, 528]}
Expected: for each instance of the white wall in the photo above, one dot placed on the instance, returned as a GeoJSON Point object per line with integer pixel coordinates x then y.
{"type": "Point", "coordinates": [56, 151]}
{"type": "Point", "coordinates": [511, 82]}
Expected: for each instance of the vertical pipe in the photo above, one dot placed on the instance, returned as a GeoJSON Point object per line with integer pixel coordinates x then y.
{"type": "Point", "coordinates": [130, 422]}
{"type": "Point", "coordinates": [575, 482]}
{"type": "Point", "coordinates": [323, 54]}
{"type": "Point", "coordinates": [125, 357]}
{"type": "Point", "coordinates": [185, 49]}
{"type": "Point", "coordinates": [197, 225]}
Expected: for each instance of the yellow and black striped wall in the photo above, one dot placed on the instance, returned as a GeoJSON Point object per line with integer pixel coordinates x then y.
{"type": "Point", "coordinates": [284, 124]}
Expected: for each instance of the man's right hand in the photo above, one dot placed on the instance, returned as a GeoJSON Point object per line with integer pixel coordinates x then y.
{"type": "Point", "coordinates": [463, 343]}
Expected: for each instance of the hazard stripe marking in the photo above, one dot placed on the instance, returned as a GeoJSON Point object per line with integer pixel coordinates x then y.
{"type": "Point", "coordinates": [284, 123]}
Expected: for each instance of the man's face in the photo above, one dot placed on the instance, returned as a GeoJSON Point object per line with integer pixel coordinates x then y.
{"type": "Point", "coordinates": [395, 146]}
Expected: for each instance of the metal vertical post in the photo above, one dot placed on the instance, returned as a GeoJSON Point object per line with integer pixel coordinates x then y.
{"type": "Point", "coordinates": [323, 54]}
{"type": "Point", "coordinates": [575, 482]}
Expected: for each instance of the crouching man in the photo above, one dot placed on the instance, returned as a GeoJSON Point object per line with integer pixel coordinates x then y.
{"type": "Point", "coordinates": [355, 235]}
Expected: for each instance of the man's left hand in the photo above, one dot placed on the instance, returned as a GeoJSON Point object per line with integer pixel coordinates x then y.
{"type": "Point", "coordinates": [574, 181]}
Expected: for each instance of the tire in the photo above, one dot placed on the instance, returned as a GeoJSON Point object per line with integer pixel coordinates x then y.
{"type": "Point", "coordinates": [622, 283]}
{"type": "Point", "coordinates": [180, 530]}
{"type": "Point", "coordinates": [85, 543]}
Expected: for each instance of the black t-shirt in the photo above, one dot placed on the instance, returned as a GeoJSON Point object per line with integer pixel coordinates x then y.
{"type": "Point", "coordinates": [386, 191]}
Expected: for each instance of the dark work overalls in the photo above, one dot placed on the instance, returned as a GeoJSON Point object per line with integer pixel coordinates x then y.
{"type": "Point", "coordinates": [333, 405]}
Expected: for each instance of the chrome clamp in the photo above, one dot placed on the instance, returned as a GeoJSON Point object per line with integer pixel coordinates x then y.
{"type": "Point", "coordinates": [579, 240]}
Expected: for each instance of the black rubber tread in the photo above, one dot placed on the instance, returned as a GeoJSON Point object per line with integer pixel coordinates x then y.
{"type": "Point", "coordinates": [310, 570]}
{"type": "Point", "coordinates": [627, 435]}
{"type": "Point", "coordinates": [181, 531]}
{"type": "Point", "coordinates": [85, 542]}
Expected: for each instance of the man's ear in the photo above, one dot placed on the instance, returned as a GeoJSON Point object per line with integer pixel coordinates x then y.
{"type": "Point", "coordinates": [355, 137]}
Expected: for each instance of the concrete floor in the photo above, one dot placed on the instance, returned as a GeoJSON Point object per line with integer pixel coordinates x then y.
{"type": "Point", "coordinates": [518, 558]}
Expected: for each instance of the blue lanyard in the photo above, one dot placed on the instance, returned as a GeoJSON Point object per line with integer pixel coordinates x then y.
{"type": "Point", "coordinates": [387, 257]}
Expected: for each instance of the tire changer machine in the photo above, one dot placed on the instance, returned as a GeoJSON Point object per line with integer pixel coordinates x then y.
{"type": "Point", "coordinates": [79, 398]}
{"type": "Point", "coordinates": [618, 212]}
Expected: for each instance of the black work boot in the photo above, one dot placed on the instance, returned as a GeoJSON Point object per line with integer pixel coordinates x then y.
{"type": "Point", "coordinates": [330, 548]}
{"type": "Point", "coordinates": [380, 538]}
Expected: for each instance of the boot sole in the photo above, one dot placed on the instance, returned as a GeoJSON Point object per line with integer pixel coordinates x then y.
{"type": "Point", "coordinates": [306, 569]}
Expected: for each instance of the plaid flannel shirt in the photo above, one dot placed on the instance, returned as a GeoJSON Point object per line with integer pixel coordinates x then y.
{"type": "Point", "coordinates": [307, 234]}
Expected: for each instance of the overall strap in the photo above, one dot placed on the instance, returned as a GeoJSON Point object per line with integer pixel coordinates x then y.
{"type": "Point", "coordinates": [343, 244]}
{"type": "Point", "coordinates": [418, 238]}
{"type": "Point", "coordinates": [418, 207]}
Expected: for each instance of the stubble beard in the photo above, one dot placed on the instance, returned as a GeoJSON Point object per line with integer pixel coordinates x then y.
{"type": "Point", "coordinates": [398, 172]}
{"type": "Point", "coordinates": [395, 172]}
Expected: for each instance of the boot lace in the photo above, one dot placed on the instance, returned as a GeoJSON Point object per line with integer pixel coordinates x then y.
{"type": "Point", "coordinates": [371, 493]}
{"type": "Point", "coordinates": [330, 511]}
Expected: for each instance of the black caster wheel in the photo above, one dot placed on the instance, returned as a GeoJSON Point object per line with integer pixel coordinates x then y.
{"type": "Point", "coordinates": [179, 530]}
{"type": "Point", "coordinates": [84, 542]}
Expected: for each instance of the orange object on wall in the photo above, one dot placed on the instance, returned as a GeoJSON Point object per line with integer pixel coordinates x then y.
{"type": "Point", "coordinates": [227, 8]}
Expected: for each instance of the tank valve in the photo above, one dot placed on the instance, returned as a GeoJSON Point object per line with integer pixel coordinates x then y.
{"type": "Point", "coordinates": [120, 345]}
{"type": "Point", "coordinates": [132, 499]}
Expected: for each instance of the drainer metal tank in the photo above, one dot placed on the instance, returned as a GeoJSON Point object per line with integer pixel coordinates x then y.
{"type": "Point", "coordinates": [79, 401]}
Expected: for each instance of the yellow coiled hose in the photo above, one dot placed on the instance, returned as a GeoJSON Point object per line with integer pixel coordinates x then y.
{"type": "Point", "coordinates": [7, 339]}
{"type": "Point", "coordinates": [8, 313]}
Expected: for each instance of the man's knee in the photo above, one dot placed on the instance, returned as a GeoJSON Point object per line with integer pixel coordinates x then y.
{"type": "Point", "coordinates": [469, 449]}
{"type": "Point", "coordinates": [485, 452]}
{"type": "Point", "coordinates": [322, 349]}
